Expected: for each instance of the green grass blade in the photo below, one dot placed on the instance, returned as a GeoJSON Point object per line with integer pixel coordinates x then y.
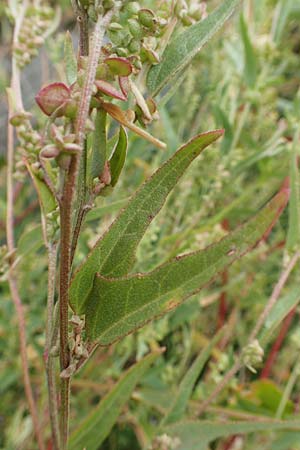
{"type": "Point", "coordinates": [186, 386]}
{"type": "Point", "coordinates": [114, 253]}
{"type": "Point", "coordinates": [293, 237]}
{"type": "Point", "coordinates": [182, 49]}
{"type": "Point", "coordinates": [196, 435]}
{"type": "Point", "coordinates": [97, 426]}
{"type": "Point", "coordinates": [117, 307]}
{"type": "Point", "coordinates": [250, 62]}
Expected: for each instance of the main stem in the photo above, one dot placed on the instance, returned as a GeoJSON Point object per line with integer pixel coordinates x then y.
{"type": "Point", "coordinates": [49, 360]}
{"type": "Point", "coordinates": [66, 216]}
{"type": "Point", "coordinates": [65, 268]}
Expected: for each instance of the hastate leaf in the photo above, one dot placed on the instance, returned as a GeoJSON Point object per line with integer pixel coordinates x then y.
{"type": "Point", "coordinates": [114, 253]}
{"type": "Point", "coordinates": [182, 49]}
{"type": "Point", "coordinates": [117, 307]}
{"type": "Point", "coordinates": [96, 427]}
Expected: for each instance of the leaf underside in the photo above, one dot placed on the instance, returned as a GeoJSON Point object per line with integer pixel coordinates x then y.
{"type": "Point", "coordinates": [117, 307]}
{"type": "Point", "coordinates": [114, 253]}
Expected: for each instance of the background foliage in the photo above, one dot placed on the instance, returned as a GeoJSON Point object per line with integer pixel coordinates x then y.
{"type": "Point", "coordinates": [246, 80]}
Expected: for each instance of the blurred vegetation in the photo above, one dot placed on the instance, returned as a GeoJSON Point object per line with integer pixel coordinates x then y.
{"type": "Point", "coordinates": [246, 80]}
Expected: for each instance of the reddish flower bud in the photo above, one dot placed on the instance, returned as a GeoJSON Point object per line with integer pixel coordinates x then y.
{"type": "Point", "coordinates": [52, 97]}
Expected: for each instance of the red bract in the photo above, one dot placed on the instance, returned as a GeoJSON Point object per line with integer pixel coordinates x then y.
{"type": "Point", "coordinates": [52, 97]}
{"type": "Point", "coordinates": [109, 89]}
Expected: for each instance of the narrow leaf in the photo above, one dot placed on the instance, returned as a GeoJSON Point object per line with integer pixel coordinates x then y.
{"type": "Point", "coordinates": [117, 307]}
{"type": "Point", "coordinates": [283, 12]}
{"type": "Point", "coordinates": [118, 157]}
{"type": "Point", "coordinates": [278, 313]}
{"type": "Point", "coordinates": [114, 253]}
{"type": "Point", "coordinates": [30, 240]}
{"type": "Point", "coordinates": [46, 198]}
{"type": "Point", "coordinates": [98, 156]}
{"type": "Point", "coordinates": [196, 435]}
{"type": "Point", "coordinates": [96, 427]}
{"type": "Point", "coordinates": [250, 65]}
{"type": "Point", "coordinates": [116, 113]}
{"type": "Point", "coordinates": [70, 59]}
{"type": "Point", "coordinates": [182, 49]}
{"type": "Point", "coordinates": [180, 402]}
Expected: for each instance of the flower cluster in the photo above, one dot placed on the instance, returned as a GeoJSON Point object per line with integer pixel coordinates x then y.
{"type": "Point", "coordinates": [37, 21]}
{"type": "Point", "coordinates": [135, 32]}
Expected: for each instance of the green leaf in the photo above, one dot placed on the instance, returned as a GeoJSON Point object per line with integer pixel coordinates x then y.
{"type": "Point", "coordinates": [196, 435]}
{"type": "Point", "coordinates": [283, 12]}
{"type": "Point", "coordinates": [46, 198]}
{"type": "Point", "coordinates": [98, 156]}
{"type": "Point", "coordinates": [268, 395]}
{"type": "Point", "coordinates": [182, 49]}
{"type": "Point", "coordinates": [30, 241]}
{"type": "Point", "coordinates": [70, 59]}
{"type": "Point", "coordinates": [287, 441]}
{"type": "Point", "coordinates": [293, 237]}
{"type": "Point", "coordinates": [96, 427]}
{"type": "Point", "coordinates": [281, 309]}
{"type": "Point", "coordinates": [118, 157]}
{"type": "Point", "coordinates": [101, 211]}
{"type": "Point", "coordinates": [186, 386]}
{"type": "Point", "coordinates": [114, 254]}
{"type": "Point", "coordinates": [117, 307]}
{"type": "Point", "coordinates": [222, 120]}
{"type": "Point", "coordinates": [250, 66]}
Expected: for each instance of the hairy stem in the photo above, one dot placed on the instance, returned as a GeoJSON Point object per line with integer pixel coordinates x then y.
{"type": "Point", "coordinates": [86, 93]}
{"type": "Point", "coordinates": [65, 268]}
{"type": "Point", "coordinates": [82, 116]}
{"type": "Point", "coordinates": [49, 360]}
{"type": "Point", "coordinates": [66, 216]}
